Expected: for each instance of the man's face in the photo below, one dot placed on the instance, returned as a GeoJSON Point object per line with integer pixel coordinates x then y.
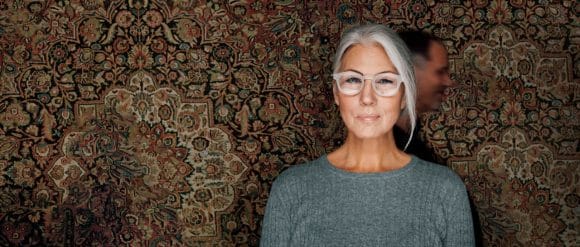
{"type": "Point", "coordinates": [432, 79]}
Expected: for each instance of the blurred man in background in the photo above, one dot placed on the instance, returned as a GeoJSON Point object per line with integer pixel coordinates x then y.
{"type": "Point", "coordinates": [432, 74]}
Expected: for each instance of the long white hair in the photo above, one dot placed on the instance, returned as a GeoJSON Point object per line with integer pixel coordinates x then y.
{"type": "Point", "coordinates": [398, 53]}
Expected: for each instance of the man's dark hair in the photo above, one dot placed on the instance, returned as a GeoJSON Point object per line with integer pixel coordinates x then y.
{"type": "Point", "coordinates": [418, 42]}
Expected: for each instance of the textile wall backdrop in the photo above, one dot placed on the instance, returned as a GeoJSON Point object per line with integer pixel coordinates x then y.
{"type": "Point", "coordinates": [164, 123]}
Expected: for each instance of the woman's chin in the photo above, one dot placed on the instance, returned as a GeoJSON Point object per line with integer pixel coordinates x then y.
{"type": "Point", "coordinates": [367, 135]}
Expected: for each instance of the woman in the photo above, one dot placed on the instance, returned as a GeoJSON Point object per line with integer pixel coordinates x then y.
{"type": "Point", "coordinates": [368, 192]}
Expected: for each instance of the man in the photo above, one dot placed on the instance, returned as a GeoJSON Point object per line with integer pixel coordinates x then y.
{"type": "Point", "coordinates": [432, 75]}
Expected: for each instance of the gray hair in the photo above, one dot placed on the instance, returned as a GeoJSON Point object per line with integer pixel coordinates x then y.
{"type": "Point", "coordinates": [397, 52]}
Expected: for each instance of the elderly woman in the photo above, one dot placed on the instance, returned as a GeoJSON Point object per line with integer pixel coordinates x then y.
{"type": "Point", "coordinates": [368, 192]}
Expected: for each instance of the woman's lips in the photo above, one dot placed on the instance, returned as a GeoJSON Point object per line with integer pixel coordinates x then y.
{"type": "Point", "coordinates": [368, 117]}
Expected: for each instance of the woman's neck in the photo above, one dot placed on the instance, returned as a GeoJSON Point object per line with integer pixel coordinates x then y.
{"type": "Point", "coordinates": [369, 155]}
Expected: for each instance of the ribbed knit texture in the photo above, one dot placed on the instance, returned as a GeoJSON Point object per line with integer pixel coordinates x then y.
{"type": "Point", "coordinates": [317, 204]}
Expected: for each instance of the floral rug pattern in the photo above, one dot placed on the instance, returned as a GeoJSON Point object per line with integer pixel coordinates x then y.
{"type": "Point", "coordinates": [164, 123]}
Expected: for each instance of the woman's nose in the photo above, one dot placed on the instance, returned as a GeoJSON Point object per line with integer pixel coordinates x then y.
{"type": "Point", "coordinates": [367, 94]}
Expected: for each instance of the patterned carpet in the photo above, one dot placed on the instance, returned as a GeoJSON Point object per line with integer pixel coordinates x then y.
{"type": "Point", "coordinates": [164, 123]}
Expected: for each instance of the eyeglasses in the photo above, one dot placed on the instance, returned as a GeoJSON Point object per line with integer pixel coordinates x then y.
{"type": "Point", "coordinates": [351, 83]}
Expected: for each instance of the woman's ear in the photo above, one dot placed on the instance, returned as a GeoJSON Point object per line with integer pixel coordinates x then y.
{"type": "Point", "coordinates": [335, 94]}
{"type": "Point", "coordinates": [403, 100]}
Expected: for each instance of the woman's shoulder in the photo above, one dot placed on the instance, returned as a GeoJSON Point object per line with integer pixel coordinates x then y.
{"type": "Point", "coordinates": [438, 174]}
{"type": "Point", "coordinates": [302, 173]}
{"type": "Point", "coordinates": [305, 169]}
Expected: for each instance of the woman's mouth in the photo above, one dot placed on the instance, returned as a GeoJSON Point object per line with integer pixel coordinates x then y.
{"type": "Point", "coordinates": [368, 117]}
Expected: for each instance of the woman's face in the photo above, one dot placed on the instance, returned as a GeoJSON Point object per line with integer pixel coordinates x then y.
{"type": "Point", "coordinates": [366, 114]}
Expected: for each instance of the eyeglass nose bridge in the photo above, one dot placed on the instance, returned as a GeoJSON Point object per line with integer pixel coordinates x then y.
{"type": "Point", "coordinates": [371, 83]}
{"type": "Point", "coordinates": [369, 77]}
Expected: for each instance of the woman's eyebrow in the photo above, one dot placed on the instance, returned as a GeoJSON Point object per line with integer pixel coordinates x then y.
{"type": "Point", "coordinates": [382, 72]}
{"type": "Point", "coordinates": [353, 70]}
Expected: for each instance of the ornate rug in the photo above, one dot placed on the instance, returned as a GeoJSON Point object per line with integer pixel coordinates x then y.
{"type": "Point", "coordinates": [164, 123]}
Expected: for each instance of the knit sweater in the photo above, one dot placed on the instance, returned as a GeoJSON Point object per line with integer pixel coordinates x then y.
{"type": "Point", "coordinates": [317, 204]}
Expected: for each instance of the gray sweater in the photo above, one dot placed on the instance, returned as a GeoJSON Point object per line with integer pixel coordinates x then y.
{"type": "Point", "coordinates": [317, 204]}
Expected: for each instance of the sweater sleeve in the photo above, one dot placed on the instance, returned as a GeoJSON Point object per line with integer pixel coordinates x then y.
{"type": "Point", "coordinates": [276, 226]}
{"type": "Point", "coordinates": [458, 219]}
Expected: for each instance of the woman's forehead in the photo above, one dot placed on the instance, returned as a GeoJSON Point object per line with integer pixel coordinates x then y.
{"type": "Point", "coordinates": [370, 56]}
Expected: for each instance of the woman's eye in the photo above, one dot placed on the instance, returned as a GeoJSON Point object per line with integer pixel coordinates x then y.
{"type": "Point", "coordinates": [384, 81]}
{"type": "Point", "coordinates": [353, 80]}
